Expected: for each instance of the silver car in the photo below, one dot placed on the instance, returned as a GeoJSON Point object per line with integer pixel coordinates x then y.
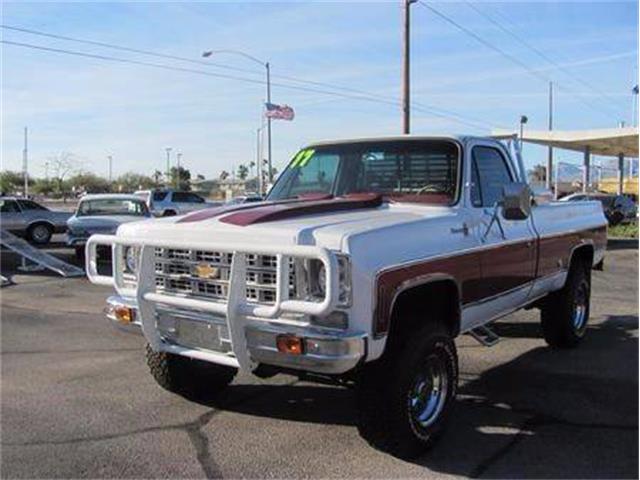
{"type": "Point", "coordinates": [103, 213]}
{"type": "Point", "coordinates": [31, 220]}
{"type": "Point", "coordinates": [166, 203]}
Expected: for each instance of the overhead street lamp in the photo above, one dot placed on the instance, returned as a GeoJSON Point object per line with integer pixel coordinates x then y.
{"type": "Point", "coordinates": [240, 53]}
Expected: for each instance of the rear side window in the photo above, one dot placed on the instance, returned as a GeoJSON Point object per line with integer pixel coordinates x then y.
{"type": "Point", "coordinates": [29, 205]}
{"type": "Point", "coordinates": [9, 206]}
{"type": "Point", "coordinates": [159, 196]}
{"type": "Point", "coordinates": [489, 174]}
{"type": "Point", "coordinates": [187, 197]}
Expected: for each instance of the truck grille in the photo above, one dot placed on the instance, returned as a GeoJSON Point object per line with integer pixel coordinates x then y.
{"type": "Point", "coordinates": [205, 274]}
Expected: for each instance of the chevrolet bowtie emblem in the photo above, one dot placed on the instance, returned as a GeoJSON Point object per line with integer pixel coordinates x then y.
{"type": "Point", "coordinates": [204, 270]}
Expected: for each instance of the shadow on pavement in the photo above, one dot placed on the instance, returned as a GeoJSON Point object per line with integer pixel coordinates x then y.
{"type": "Point", "coordinates": [622, 244]}
{"type": "Point", "coordinates": [545, 414]}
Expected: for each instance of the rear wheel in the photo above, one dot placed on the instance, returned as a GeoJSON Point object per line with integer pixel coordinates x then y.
{"type": "Point", "coordinates": [404, 399]}
{"type": "Point", "coordinates": [566, 312]}
{"type": "Point", "coordinates": [187, 376]}
{"type": "Point", "coordinates": [40, 233]}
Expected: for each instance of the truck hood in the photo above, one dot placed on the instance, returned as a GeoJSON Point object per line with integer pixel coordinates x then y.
{"type": "Point", "coordinates": [324, 222]}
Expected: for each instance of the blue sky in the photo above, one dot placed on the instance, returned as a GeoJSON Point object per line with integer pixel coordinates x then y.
{"type": "Point", "coordinates": [94, 108]}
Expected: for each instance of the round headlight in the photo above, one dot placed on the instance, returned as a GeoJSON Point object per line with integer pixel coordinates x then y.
{"type": "Point", "coordinates": [131, 259]}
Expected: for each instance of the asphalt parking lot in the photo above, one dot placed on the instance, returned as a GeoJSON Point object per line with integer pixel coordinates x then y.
{"type": "Point", "coordinates": [77, 400]}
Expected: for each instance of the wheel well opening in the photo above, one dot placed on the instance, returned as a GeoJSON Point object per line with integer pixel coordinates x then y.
{"type": "Point", "coordinates": [582, 255]}
{"type": "Point", "coordinates": [40, 222]}
{"type": "Point", "coordinates": [431, 302]}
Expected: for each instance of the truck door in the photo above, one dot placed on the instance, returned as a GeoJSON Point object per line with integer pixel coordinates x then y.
{"type": "Point", "coordinates": [508, 247]}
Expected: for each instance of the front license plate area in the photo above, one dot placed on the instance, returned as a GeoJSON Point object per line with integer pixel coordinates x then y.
{"type": "Point", "coordinates": [197, 334]}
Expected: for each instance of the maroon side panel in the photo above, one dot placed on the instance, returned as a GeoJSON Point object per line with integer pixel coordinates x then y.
{"type": "Point", "coordinates": [555, 252]}
{"type": "Point", "coordinates": [507, 267]}
{"type": "Point", "coordinates": [465, 270]}
{"type": "Point", "coordinates": [503, 268]}
{"type": "Point", "coordinates": [273, 212]}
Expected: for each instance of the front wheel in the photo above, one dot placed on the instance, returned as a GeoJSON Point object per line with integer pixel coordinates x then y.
{"type": "Point", "coordinates": [40, 233]}
{"type": "Point", "coordinates": [187, 376]}
{"type": "Point", "coordinates": [404, 400]}
{"type": "Point", "coordinates": [566, 312]}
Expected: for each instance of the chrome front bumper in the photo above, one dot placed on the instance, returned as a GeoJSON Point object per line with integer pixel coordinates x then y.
{"type": "Point", "coordinates": [327, 351]}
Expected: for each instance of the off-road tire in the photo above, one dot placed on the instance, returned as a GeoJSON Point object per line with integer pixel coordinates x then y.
{"type": "Point", "coordinates": [561, 326]}
{"type": "Point", "coordinates": [186, 376]}
{"type": "Point", "coordinates": [384, 387]}
{"type": "Point", "coordinates": [39, 233]}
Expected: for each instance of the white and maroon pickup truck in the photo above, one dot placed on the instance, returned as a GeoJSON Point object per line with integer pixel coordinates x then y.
{"type": "Point", "coordinates": [367, 260]}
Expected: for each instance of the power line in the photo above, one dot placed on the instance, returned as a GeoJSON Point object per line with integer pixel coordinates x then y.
{"type": "Point", "coordinates": [507, 55]}
{"type": "Point", "coordinates": [454, 117]}
{"type": "Point", "coordinates": [469, 121]}
{"type": "Point", "coordinates": [538, 52]}
{"type": "Point", "coordinates": [179, 58]}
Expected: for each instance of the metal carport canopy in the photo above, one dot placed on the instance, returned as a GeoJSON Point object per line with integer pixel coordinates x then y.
{"type": "Point", "coordinates": [607, 141]}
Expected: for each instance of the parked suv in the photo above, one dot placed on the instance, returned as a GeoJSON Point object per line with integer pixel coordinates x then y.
{"type": "Point", "coordinates": [166, 203]}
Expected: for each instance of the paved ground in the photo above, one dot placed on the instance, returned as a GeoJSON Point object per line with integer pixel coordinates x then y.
{"type": "Point", "coordinates": [77, 401]}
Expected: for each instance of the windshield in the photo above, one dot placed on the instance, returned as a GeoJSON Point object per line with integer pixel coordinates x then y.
{"type": "Point", "coordinates": [111, 207]}
{"type": "Point", "coordinates": [424, 171]}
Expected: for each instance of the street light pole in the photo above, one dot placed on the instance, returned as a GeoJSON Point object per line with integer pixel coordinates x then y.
{"type": "Point", "coordinates": [25, 163]}
{"type": "Point", "coordinates": [168, 150]}
{"type": "Point", "coordinates": [269, 124]}
{"type": "Point", "coordinates": [178, 158]}
{"type": "Point", "coordinates": [259, 161]}
{"type": "Point", "coordinates": [406, 80]}
{"type": "Point", "coordinates": [550, 152]}
{"type": "Point", "coordinates": [267, 67]}
{"type": "Point", "coordinates": [110, 158]}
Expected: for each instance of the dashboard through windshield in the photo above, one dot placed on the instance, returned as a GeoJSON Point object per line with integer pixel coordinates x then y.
{"type": "Point", "coordinates": [423, 171]}
{"type": "Point", "coordinates": [111, 207]}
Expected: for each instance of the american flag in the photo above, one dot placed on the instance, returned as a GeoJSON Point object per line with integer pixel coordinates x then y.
{"type": "Point", "coordinates": [279, 112]}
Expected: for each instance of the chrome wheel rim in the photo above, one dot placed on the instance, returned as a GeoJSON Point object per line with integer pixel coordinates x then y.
{"type": "Point", "coordinates": [428, 393]}
{"type": "Point", "coordinates": [580, 308]}
{"type": "Point", "coordinates": [40, 233]}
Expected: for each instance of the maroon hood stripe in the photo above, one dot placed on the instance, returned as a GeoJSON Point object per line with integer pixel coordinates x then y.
{"type": "Point", "coordinates": [207, 213]}
{"type": "Point", "coordinates": [281, 211]}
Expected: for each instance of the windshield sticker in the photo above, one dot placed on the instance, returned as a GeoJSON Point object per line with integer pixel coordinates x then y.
{"type": "Point", "coordinates": [296, 159]}
{"type": "Point", "coordinates": [304, 159]}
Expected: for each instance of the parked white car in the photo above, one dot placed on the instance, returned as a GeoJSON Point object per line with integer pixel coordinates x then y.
{"type": "Point", "coordinates": [167, 203]}
{"type": "Point", "coordinates": [367, 260]}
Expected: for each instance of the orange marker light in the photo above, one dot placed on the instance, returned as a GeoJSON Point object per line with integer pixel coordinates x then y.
{"type": "Point", "coordinates": [290, 344]}
{"type": "Point", "coordinates": [123, 314]}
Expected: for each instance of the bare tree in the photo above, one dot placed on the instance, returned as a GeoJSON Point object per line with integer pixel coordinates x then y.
{"type": "Point", "coordinates": [61, 166]}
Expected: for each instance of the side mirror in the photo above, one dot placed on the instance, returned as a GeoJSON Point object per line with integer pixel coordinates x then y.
{"type": "Point", "coordinates": [516, 201]}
